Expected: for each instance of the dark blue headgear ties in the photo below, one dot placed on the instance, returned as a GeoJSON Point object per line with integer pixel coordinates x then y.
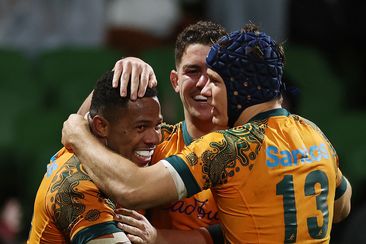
{"type": "Point", "coordinates": [251, 67]}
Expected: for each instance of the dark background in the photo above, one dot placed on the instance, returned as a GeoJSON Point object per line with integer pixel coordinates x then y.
{"type": "Point", "coordinates": [44, 79]}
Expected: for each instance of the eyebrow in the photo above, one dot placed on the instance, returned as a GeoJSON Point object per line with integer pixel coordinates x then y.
{"type": "Point", "coordinates": [191, 66]}
{"type": "Point", "coordinates": [214, 76]}
{"type": "Point", "coordinates": [148, 121]}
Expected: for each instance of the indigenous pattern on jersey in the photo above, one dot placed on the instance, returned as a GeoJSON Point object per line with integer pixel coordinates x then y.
{"type": "Point", "coordinates": [274, 178]}
{"type": "Point", "coordinates": [69, 206]}
{"type": "Point", "coordinates": [197, 211]}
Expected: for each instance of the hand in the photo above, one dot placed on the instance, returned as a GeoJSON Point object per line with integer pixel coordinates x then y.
{"type": "Point", "coordinates": [141, 73]}
{"type": "Point", "coordinates": [137, 227]}
{"type": "Point", "coordinates": [73, 129]}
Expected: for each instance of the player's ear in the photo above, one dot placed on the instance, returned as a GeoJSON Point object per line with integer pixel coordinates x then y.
{"type": "Point", "coordinates": [174, 80]}
{"type": "Point", "coordinates": [99, 126]}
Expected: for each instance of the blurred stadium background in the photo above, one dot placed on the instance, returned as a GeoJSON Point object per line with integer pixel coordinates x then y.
{"type": "Point", "coordinates": [53, 51]}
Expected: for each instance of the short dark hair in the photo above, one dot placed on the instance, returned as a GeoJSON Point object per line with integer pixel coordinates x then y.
{"type": "Point", "coordinates": [106, 99]}
{"type": "Point", "coordinates": [203, 32]}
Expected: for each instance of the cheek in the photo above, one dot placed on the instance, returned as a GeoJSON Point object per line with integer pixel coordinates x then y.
{"type": "Point", "coordinates": [188, 83]}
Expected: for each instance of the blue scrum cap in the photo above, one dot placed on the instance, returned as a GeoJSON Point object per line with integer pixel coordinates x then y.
{"type": "Point", "coordinates": [251, 66]}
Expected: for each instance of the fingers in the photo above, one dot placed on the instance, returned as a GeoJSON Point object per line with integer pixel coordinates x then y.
{"type": "Point", "coordinates": [135, 77]}
{"type": "Point", "coordinates": [118, 67]}
{"type": "Point", "coordinates": [69, 127]}
{"type": "Point", "coordinates": [136, 231]}
{"type": "Point", "coordinates": [136, 239]}
{"type": "Point", "coordinates": [129, 212]}
{"type": "Point", "coordinates": [141, 74]}
{"type": "Point", "coordinates": [131, 229]}
{"type": "Point", "coordinates": [125, 77]}
{"type": "Point", "coordinates": [137, 227]}
{"type": "Point", "coordinates": [152, 79]}
{"type": "Point", "coordinates": [144, 79]}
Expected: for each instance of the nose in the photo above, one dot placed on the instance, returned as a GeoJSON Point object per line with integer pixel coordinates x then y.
{"type": "Point", "coordinates": [152, 137]}
{"type": "Point", "coordinates": [206, 90]}
{"type": "Point", "coordinates": [202, 81]}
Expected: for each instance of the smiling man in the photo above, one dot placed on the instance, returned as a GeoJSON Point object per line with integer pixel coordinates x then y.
{"type": "Point", "coordinates": [258, 202]}
{"type": "Point", "coordinates": [69, 207]}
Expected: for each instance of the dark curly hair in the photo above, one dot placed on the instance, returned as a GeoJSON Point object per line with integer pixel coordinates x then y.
{"type": "Point", "coordinates": [106, 99]}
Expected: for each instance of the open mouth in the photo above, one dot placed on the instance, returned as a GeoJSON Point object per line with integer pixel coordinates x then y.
{"type": "Point", "coordinates": [200, 98]}
{"type": "Point", "coordinates": [144, 155]}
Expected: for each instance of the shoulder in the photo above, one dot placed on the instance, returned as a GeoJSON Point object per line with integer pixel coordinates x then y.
{"type": "Point", "coordinates": [317, 130]}
{"type": "Point", "coordinates": [168, 130]}
{"type": "Point", "coordinates": [249, 132]}
{"type": "Point", "coordinates": [72, 196]}
{"type": "Point", "coordinates": [305, 122]}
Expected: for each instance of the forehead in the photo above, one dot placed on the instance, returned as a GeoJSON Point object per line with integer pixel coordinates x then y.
{"type": "Point", "coordinates": [142, 109]}
{"type": "Point", "coordinates": [144, 105]}
{"type": "Point", "coordinates": [214, 75]}
{"type": "Point", "coordinates": [195, 51]}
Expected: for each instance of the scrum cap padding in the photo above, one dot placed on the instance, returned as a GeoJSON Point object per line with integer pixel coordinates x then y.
{"type": "Point", "coordinates": [251, 67]}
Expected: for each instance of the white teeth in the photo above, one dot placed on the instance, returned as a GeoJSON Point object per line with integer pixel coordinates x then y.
{"type": "Point", "coordinates": [200, 98]}
{"type": "Point", "coordinates": [144, 153]}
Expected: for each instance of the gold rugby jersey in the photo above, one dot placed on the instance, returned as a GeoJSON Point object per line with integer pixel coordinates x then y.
{"type": "Point", "coordinates": [274, 179]}
{"type": "Point", "coordinates": [68, 206]}
{"type": "Point", "coordinates": [197, 211]}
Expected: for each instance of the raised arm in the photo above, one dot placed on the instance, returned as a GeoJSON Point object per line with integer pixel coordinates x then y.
{"type": "Point", "coordinates": [84, 108]}
{"type": "Point", "coordinates": [118, 177]}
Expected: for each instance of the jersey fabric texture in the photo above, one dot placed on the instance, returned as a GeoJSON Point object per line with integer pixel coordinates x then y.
{"type": "Point", "coordinates": [274, 179]}
{"type": "Point", "coordinates": [197, 211]}
{"type": "Point", "coordinates": [68, 207]}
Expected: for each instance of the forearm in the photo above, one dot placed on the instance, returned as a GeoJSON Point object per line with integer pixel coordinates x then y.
{"type": "Point", "coordinates": [103, 165]}
{"type": "Point", "coordinates": [84, 108]}
{"type": "Point", "coordinates": [122, 180]}
{"type": "Point", "coordinates": [342, 205]}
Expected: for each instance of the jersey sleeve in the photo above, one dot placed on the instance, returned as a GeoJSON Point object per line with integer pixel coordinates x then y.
{"type": "Point", "coordinates": [97, 218]}
{"type": "Point", "coordinates": [76, 205]}
{"type": "Point", "coordinates": [203, 164]}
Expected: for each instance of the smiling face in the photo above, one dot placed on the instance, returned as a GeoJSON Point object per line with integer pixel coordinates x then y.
{"type": "Point", "coordinates": [215, 91]}
{"type": "Point", "coordinates": [136, 131]}
{"type": "Point", "coordinates": [188, 81]}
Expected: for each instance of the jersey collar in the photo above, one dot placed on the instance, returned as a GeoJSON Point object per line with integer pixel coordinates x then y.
{"type": "Point", "coordinates": [270, 113]}
{"type": "Point", "coordinates": [186, 137]}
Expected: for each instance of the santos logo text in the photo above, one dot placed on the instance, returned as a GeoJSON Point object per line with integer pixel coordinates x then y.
{"type": "Point", "coordinates": [275, 157]}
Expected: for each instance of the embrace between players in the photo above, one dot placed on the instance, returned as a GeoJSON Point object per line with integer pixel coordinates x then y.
{"type": "Point", "coordinates": [240, 168]}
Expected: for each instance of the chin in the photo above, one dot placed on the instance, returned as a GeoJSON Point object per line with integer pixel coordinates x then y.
{"type": "Point", "coordinates": [207, 118]}
{"type": "Point", "coordinates": [219, 122]}
{"type": "Point", "coordinates": [204, 115]}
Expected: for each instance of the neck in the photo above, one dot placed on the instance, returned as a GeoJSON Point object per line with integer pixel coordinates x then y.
{"type": "Point", "coordinates": [252, 111]}
{"type": "Point", "coordinates": [197, 128]}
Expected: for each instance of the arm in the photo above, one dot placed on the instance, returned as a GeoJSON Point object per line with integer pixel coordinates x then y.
{"type": "Point", "coordinates": [141, 231]}
{"type": "Point", "coordinates": [84, 108]}
{"type": "Point", "coordinates": [118, 177]}
{"type": "Point", "coordinates": [342, 204]}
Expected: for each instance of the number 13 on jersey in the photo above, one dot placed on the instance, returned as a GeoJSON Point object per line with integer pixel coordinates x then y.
{"type": "Point", "coordinates": [285, 188]}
